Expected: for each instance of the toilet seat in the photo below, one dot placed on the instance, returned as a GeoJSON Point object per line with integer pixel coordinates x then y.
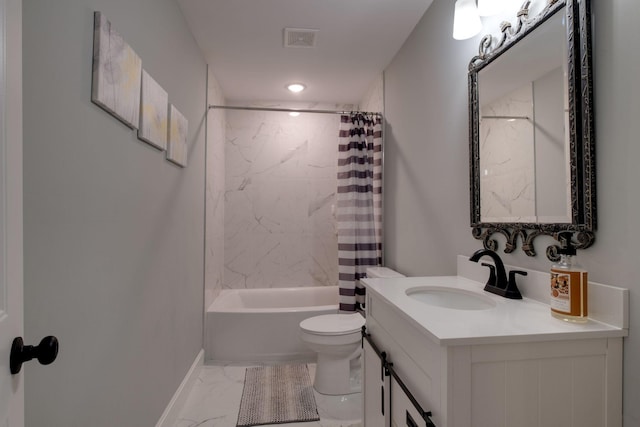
{"type": "Point", "coordinates": [333, 324]}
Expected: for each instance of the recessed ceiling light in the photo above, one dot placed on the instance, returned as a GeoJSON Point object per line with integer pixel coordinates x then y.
{"type": "Point", "coordinates": [294, 114]}
{"type": "Point", "coordinates": [296, 87]}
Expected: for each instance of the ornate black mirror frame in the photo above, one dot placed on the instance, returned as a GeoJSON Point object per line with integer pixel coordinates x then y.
{"type": "Point", "coordinates": [581, 131]}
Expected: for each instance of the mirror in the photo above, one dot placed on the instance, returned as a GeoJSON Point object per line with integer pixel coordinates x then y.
{"type": "Point", "coordinates": [524, 162]}
{"type": "Point", "coordinates": [531, 130]}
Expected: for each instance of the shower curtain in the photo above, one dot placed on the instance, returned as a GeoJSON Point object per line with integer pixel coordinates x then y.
{"type": "Point", "coordinates": [359, 200]}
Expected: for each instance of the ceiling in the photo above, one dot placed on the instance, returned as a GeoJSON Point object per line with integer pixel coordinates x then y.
{"type": "Point", "coordinates": [242, 41]}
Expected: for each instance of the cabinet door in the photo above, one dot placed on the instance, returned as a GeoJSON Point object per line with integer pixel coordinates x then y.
{"type": "Point", "coordinates": [376, 388]}
{"type": "Point", "coordinates": [403, 411]}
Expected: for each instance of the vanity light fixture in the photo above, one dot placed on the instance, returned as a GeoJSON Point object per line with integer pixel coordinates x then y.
{"type": "Point", "coordinates": [490, 7]}
{"type": "Point", "coordinates": [296, 87]}
{"type": "Point", "coordinates": [294, 113]}
{"type": "Point", "coordinates": [466, 20]}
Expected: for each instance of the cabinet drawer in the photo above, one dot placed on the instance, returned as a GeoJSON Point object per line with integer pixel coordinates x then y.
{"type": "Point", "coordinates": [409, 337]}
{"type": "Point", "coordinates": [416, 358]}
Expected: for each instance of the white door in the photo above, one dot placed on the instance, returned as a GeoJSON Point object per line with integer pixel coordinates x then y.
{"type": "Point", "coordinates": [11, 300]}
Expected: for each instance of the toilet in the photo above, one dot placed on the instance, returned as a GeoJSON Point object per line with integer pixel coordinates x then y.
{"type": "Point", "coordinates": [336, 340]}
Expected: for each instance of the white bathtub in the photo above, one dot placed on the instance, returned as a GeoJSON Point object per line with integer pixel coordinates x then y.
{"type": "Point", "coordinates": [262, 325]}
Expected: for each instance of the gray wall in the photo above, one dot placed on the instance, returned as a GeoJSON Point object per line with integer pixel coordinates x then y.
{"type": "Point", "coordinates": [426, 160]}
{"type": "Point", "coordinates": [426, 203]}
{"type": "Point", "coordinates": [114, 234]}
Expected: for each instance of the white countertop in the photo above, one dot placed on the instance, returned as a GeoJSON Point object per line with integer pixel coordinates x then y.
{"type": "Point", "coordinates": [510, 321]}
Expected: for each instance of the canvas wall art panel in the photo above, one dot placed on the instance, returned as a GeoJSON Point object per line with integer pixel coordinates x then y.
{"type": "Point", "coordinates": [154, 107]}
{"type": "Point", "coordinates": [117, 71]}
{"type": "Point", "coordinates": [178, 131]}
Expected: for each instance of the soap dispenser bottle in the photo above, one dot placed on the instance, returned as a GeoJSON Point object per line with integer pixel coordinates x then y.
{"type": "Point", "coordinates": [569, 284]}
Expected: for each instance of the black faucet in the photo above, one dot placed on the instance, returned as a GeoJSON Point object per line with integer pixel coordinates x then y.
{"type": "Point", "coordinates": [497, 283]}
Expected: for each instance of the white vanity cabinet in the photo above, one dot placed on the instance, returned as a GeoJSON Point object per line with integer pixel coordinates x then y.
{"type": "Point", "coordinates": [485, 381]}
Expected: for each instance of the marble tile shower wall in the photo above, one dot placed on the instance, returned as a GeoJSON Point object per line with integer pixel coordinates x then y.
{"type": "Point", "coordinates": [373, 100]}
{"type": "Point", "coordinates": [215, 188]}
{"type": "Point", "coordinates": [507, 178]}
{"type": "Point", "coordinates": [280, 230]}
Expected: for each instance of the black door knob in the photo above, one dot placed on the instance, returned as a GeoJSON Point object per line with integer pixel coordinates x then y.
{"type": "Point", "coordinates": [46, 352]}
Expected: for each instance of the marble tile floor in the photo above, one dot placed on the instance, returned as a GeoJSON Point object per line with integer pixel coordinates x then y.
{"type": "Point", "coordinates": [214, 401]}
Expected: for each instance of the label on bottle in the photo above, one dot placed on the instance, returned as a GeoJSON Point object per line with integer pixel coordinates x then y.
{"type": "Point", "coordinates": [568, 292]}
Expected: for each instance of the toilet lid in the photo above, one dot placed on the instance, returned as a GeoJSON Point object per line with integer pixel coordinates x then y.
{"type": "Point", "coordinates": [333, 324]}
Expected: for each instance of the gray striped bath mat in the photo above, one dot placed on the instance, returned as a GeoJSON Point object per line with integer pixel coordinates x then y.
{"type": "Point", "coordinates": [277, 395]}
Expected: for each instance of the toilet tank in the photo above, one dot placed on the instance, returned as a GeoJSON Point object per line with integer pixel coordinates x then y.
{"type": "Point", "coordinates": [382, 273]}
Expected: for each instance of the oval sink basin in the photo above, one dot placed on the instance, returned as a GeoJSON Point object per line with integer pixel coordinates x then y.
{"type": "Point", "coordinates": [457, 299]}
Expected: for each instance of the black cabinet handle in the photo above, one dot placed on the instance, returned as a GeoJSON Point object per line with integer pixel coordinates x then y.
{"type": "Point", "coordinates": [410, 421]}
{"type": "Point", "coordinates": [46, 352]}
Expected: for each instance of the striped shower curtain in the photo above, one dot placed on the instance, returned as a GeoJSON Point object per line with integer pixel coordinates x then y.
{"type": "Point", "coordinates": [359, 212]}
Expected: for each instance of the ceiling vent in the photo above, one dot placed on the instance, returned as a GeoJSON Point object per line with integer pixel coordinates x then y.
{"type": "Point", "coordinates": [300, 37]}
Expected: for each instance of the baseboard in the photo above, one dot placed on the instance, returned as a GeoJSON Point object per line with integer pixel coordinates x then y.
{"type": "Point", "coordinates": [170, 414]}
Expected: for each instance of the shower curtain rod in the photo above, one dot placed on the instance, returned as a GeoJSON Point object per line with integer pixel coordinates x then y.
{"type": "Point", "coordinates": [288, 110]}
